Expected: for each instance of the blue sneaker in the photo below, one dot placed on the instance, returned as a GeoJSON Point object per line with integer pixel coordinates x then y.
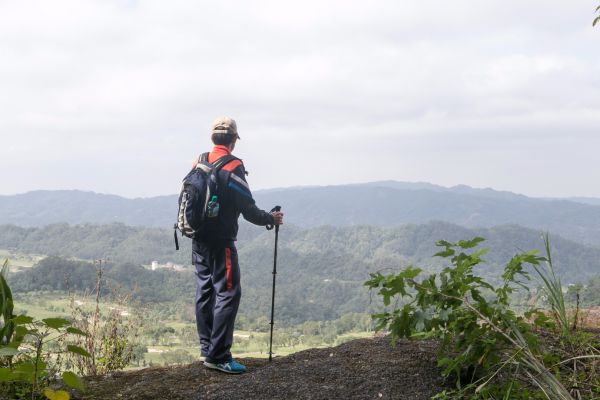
{"type": "Point", "coordinates": [229, 367]}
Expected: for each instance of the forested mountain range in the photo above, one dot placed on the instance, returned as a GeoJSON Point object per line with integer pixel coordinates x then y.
{"type": "Point", "coordinates": [373, 246]}
{"type": "Point", "coordinates": [333, 238]}
{"type": "Point", "coordinates": [321, 270]}
{"type": "Point", "coordinates": [386, 203]}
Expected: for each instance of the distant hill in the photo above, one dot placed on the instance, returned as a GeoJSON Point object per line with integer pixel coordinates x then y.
{"type": "Point", "coordinates": [386, 203]}
{"type": "Point", "coordinates": [586, 200]}
{"type": "Point", "coordinates": [44, 207]}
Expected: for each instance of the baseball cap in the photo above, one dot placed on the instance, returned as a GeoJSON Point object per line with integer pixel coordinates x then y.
{"type": "Point", "coordinates": [225, 125]}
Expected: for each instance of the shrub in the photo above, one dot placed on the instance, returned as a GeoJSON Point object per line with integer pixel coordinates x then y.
{"type": "Point", "coordinates": [27, 366]}
{"type": "Point", "coordinates": [482, 337]}
{"type": "Point", "coordinates": [111, 335]}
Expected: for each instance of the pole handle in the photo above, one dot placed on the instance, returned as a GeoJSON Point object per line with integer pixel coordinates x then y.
{"type": "Point", "coordinates": [270, 226]}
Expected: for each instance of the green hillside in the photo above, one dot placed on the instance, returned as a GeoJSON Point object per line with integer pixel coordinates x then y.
{"type": "Point", "coordinates": [321, 270]}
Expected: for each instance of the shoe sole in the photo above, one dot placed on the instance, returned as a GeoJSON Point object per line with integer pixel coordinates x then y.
{"type": "Point", "coordinates": [217, 368]}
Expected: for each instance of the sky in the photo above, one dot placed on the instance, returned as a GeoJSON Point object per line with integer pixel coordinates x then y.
{"type": "Point", "coordinates": [118, 96]}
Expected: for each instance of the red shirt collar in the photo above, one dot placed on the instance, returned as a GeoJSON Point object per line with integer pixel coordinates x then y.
{"type": "Point", "coordinates": [221, 149]}
{"type": "Point", "coordinates": [217, 152]}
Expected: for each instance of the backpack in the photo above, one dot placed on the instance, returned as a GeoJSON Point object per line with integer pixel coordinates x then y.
{"type": "Point", "coordinates": [198, 200]}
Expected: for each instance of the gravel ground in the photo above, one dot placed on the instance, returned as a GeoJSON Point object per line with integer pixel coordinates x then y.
{"type": "Point", "coordinates": [360, 369]}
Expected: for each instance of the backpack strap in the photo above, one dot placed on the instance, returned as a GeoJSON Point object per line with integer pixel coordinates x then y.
{"type": "Point", "coordinates": [217, 165]}
{"type": "Point", "coordinates": [221, 162]}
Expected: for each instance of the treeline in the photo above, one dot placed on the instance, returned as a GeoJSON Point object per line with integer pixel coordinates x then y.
{"type": "Point", "coordinates": [300, 297]}
{"type": "Point", "coordinates": [56, 273]}
{"type": "Point", "coordinates": [117, 242]}
{"type": "Point", "coordinates": [334, 253]}
{"type": "Point", "coordinates": [321, 270]}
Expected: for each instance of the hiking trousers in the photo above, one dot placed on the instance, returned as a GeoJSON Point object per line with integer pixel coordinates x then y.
{"type": "Point", "coordinates": [218, 294]}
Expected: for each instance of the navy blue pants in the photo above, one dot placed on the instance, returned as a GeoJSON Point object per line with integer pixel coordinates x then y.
{"type": "Point", "coordinates": [218, 295]}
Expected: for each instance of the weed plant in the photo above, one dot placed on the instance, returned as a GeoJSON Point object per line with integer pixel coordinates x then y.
{"type": "Point", "coordinates": [487, 349]}
{"type": "Point", "coordinates": [31, 352]}
{"type": "Point", "coordinates": [552, 288]}
{"type": "Point", "coordinates": [112, 336]}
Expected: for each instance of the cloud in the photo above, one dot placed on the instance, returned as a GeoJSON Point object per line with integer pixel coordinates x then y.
{"type": "Point", "coordinates": [124, 86]}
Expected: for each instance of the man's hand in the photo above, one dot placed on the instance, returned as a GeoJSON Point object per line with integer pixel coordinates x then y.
{"type": "Point", "coordinates": [277, 217]}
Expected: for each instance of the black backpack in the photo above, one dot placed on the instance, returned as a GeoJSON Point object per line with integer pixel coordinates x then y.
{"type": "Point", "coordinates": [198, 199]}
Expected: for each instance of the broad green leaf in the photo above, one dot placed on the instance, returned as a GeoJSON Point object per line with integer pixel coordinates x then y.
{"type": "Point", "coordinates": [26, 367]}
{"type": "Point", "coordinates": [445, 253]}
{"type": "Point", "coordinates": [21, 331]}
{"type": "Point", "coordinates": [58, 395]}
{"type": "Point", "coordinates": [6, 375]}
{"type": "Point", "coordinates": [444, 314]}
{"type": "Point", "coordinates": [76, 331]}
{"type": "Point", "coordinates": [467, 244]}
{"type": "Point", "coordinates": [22, 320]}
{"type": "Point", "coordinates": [78, 350]}
{"type": "Point", "coordinates": [41, 366]}
{"type": "Point", "coordinates": [419, 321]}
{"type": "Point", "coordinates": [56, 323]}
{"type": "Point", "coordinates": [8, 351]}
{"type": "Point", "coordinates": [410, 273]}
{"type": "Point", "coordinates": [72, 380]}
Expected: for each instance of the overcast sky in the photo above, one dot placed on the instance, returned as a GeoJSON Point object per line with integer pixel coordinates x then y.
{"type": "Point", "coordinates": [118, 96]}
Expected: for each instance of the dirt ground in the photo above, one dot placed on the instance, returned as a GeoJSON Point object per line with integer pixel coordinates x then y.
{"type": "Point", "coordinates": [360, 369]}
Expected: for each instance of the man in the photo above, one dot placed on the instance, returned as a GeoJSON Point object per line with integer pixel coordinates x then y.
{"type": "Point", "coordinates": [218, 289]}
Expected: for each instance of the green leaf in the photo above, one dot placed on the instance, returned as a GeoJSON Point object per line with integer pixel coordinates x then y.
{"type": "Point", "coordinates": [444, 314]}
{"type": "Point", "coordinates": [25, 367]}
{"type": "Point", "coordinates": [410, 273]}
{"type": "Point", "coordinates": [21, 331]}
{"type": "Point", "coordinates": [6, 375]}
{"type": "Point", "coordinates": [58, 395]}
{"type": "Point", "coordinates": [467, 244]}
{"type": "Point", "coordinates": [41, 366]}
{"type": "Point", "coordinates": [8, 351]}
{"type": "Point", "coordinates": [419, 318]}
{"type": "Point", "coordinates": [56, 323]}
{"type": "Point", "coordinates": [443, 243]}
{"type": "Point", "coordinates": [76, 331]}
{"type": "Point", "coordinates": [78, 350]}
{"type": "Point", "coordinates": [72, 380]}
{"type": "Point", "coordinates": [22, 320]}
{"type": "Point", "coordinates": [445, 253]}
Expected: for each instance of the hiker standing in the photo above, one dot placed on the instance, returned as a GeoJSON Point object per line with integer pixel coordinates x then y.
{"type": "Point", "coordinates": [218, 289]}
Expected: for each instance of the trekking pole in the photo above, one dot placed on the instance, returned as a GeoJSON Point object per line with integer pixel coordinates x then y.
{"type": "Point", "coordinates": [276, 209]}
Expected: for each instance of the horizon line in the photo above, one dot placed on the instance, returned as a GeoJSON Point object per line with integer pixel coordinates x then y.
{"type": "Point", "coordinates": [426, 186]}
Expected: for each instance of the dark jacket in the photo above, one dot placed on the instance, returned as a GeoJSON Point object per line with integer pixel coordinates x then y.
{"type": "Point", "coordinates": [235, 198]}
